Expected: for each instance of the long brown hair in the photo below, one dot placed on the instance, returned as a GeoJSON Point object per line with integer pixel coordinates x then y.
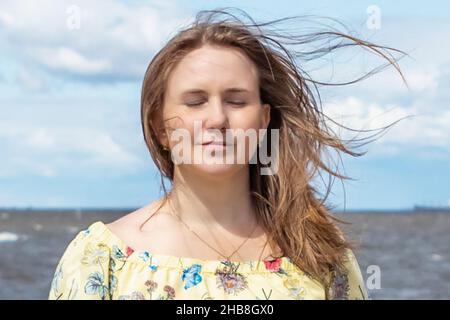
{"type": "Point", "coordinates": [290, 209]}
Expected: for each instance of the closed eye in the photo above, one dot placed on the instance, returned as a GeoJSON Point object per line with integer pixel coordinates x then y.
{"type": "Point", "coordinates": [194, 103]}
{"type": "Point", "coordinates": [240, 103]}
{"type": "Point", "coordinates": [198, 103]}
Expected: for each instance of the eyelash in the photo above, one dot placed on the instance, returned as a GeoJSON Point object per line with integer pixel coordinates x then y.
{"type": "Point", "coordinates": [195, 104]}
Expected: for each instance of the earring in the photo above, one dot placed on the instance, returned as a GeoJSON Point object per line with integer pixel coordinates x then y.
{"type": "Point", "coordinates": [165, 148]}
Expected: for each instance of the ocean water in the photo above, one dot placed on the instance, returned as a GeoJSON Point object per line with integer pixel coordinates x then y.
{"type": "Point", "coordinates": [401, 255]}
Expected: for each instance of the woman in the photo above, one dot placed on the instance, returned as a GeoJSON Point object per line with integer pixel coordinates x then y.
{"type": "Point", "coordinates": [225, 230]}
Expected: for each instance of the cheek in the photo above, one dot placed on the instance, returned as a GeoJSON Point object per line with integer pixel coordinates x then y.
{"type": "Point", "coordinates": [176, 118]}
{"type": "Point", "coordinates": [185, 125]}
{"type": "Point", "coordinates": [247, 119]}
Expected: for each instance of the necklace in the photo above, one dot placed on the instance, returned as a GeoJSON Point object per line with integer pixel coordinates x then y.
{"type": "Point", "coordinates": [227, 258]}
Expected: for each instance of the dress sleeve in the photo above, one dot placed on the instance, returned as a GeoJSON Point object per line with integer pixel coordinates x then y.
{"type": "Point", "coordinates": [348, 283]}
{"type": "Point", "coordinates": [83, 270]}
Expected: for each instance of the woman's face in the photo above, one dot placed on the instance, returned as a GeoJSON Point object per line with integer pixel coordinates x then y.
{"type": "Point", "coordinates": [212, 89]}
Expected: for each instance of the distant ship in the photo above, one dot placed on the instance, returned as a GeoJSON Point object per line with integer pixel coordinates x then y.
{"type": "Point", "coordinates": [432, 208]}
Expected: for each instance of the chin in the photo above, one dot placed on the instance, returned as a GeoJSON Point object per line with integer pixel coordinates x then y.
{"type": "Point", "coordinates": [218, 170]}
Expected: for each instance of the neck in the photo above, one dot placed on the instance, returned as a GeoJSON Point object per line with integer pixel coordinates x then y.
{"type": "Point", "coordinates": [201, 200]}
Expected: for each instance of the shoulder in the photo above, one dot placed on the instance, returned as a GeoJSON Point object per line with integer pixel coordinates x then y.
{"type": "Point", "coordinates": [86, 268]}
{"type": "Point", "coordinates": [83, 271]}
{"type": "Point", "coordinates": [80, 265]}
{"type": "Point", "coordinates": [94, 240]}
{"type": "Point", "coordinates": [133, 220]}
{"type": "Point", "coordinates": [149, 225]}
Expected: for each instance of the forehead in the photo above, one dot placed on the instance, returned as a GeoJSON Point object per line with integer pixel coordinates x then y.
{"type": "Point", "coordinates": [213, 67]}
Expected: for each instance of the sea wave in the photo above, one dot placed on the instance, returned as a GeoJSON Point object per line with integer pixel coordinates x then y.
{"type": "Point", "coordinates": [8, 237]}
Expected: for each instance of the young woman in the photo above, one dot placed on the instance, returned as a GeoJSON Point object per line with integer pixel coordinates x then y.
{"type": "Point", "coordinates": [224, 230]}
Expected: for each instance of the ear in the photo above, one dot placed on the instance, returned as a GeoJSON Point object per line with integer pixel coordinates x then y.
{"type": "Point", "coordinates": [161, 134]}
{"type": "Point", "coordinates": [265, 115]}
{"type": "Point", "coordinates": [162, 137]}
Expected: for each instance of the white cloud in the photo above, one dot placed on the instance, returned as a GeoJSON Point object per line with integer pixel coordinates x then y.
{"type": "Point", "coordinates": [67, 59]}
{"type": "Point", "coordinates": [420, 81]}
{"type": "Point", "coordinates": [113, 40]}
{"type": "Point", "coordinates": [7, 19]}
{"type": "Point", "coordinates": [389, 83]}
{"type": "Point", "coordinates": [424, 129]}
{"type": "Point", "coordinates": [52, 151]}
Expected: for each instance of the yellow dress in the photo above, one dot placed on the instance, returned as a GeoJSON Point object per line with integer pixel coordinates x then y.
{"type": "Point", "coordinates": [98, 265]}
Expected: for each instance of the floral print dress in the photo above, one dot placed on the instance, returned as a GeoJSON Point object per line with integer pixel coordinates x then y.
{"type": "Point", "coordinates": [98, 265]}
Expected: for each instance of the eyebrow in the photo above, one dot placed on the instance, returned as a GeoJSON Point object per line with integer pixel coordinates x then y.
{"type": "Point", "coordinates": [229, 90]}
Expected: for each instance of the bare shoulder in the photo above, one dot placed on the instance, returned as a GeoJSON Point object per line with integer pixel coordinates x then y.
{"type": "Point", "coordinates": [135, 218]}
{"type": "Point", "coordinates": [155, 223]}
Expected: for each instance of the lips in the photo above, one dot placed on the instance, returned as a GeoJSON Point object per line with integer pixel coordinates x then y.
{"type": "Point", "coordinates": [219, 143]}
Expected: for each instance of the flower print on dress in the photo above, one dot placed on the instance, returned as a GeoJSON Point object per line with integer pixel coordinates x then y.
{"type": "Point", "coordinates": [95, 254]}
{"type": "Point", "coordinates": [146, 256]}
{"type": "Point", "coordinates": [95, 285]}
{"type": "Point", "coordinates": [192, 275]}
{"type": "Point", "coordinates": [151, 287]}
{"type": "Point", "coordinates": [294, 285]}
{"type": "Point", "coordinates": [129, 251]}
{"type": "Point", "coordinates": [339, 288]}
{"type": "Point", "coordinates": [119, 255]}
{"type": "Point", "coordinates": [275, 266]}
{"type": "Point", "coordinates": [229, 279]}
{"type": "Point", "coordinates": [169, 293]}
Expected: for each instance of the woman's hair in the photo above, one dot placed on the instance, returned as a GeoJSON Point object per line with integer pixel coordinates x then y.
{"type": "Point", "coordinates": [290, 209]}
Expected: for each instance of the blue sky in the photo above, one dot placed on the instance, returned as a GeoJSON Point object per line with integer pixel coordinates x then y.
{"type": "Point", "coordinates": [70, 132]}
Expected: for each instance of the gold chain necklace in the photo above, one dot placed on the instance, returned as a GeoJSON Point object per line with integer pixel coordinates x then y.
{"type": "Point", "coordinates": [227, 258]}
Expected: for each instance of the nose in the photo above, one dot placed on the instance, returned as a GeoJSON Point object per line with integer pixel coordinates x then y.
{"type": "Point", "coordinates": [217, 117]}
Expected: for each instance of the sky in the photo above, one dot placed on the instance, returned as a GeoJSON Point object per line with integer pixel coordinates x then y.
{"type": "Point", "coordinates": [71, 74]}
